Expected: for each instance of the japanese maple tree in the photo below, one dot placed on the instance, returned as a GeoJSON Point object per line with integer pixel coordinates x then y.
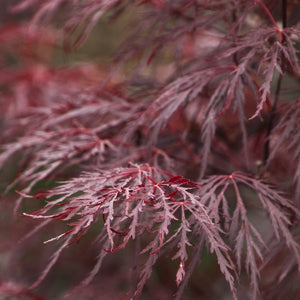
{"type": "Point", "coordinates": [187, 146]}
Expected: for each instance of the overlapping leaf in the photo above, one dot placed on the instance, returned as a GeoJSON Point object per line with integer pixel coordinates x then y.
{"type": "Point", "coordinates": [133, 201]}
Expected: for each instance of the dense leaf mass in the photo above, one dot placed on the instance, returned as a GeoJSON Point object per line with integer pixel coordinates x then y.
{"type": "Point", "coordinates": [186, 147]}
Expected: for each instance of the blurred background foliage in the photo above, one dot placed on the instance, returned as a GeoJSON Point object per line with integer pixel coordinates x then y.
{"type": "Point", "coordinates": [33, 62]}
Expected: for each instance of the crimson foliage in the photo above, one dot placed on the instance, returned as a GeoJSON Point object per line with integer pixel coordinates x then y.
{"type": "Point", "coordinates": [195, 147]}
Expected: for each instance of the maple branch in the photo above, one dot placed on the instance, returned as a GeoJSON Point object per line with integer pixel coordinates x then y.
{"type": "Point", "coordinates": [278, 88]}
{"type": "Point", "coordinates": [284, 13]}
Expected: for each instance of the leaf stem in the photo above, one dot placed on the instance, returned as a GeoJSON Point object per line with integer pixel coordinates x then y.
{"type": "Point", "coordinates": [278, 88]}
{"type": "Point", "coordinates": [262, 5]}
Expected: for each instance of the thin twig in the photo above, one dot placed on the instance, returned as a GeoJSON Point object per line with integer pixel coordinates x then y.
{"type": "Point", "coordinates": [277, 92]}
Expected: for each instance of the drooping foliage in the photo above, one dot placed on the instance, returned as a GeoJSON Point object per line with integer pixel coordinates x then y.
{"type": "Point", "coordinates": [186, 145]}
